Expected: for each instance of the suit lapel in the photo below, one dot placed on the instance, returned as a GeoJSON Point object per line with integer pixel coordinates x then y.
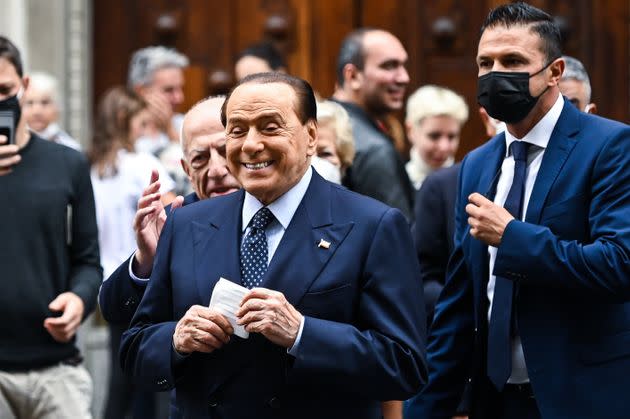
{"type": "Point", "coordinates": [216, 246]}
{"type": "Point", "coordinates": [300, 257]}
{"type": "Point", "coordinates": [560, 145]}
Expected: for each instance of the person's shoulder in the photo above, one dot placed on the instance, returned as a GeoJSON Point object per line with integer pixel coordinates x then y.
{"type": "Point", "coordinates": [355, 205]}
{"type": "Point", "coordinates": [601, 124]}
{"type": "Point", "coordinates": [59, 154]}
{"type": "Point", "coordinates": [480, 154]}
{"type": "Point", "coordinates": [444, 175]}
{"type": "Point", "coordinates": [195, 208]}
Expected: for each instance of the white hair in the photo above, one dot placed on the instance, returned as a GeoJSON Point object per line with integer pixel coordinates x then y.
{"type": "Point", "coordinates": [333, 113]}
{"type": "Point", "coordinates": [146, 61]}
{"type": "Point", "coordinates": [431, 100]}
{"type": "Point", "coordinates": [46, 83]}
{"type": "Point", "coordinates": [574, 70]}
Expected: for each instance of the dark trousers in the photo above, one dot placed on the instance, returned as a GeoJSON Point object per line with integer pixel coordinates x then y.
{"type": "Point", "coordinates": [123, 399]}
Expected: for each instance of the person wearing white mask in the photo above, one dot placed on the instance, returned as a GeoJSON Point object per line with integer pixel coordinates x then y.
{"type": "Point", "coordinates": [335, 144]}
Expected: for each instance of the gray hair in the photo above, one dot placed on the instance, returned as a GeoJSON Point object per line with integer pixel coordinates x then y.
{"type": "Point", "coordinates": [146, 61]}
{"type": "Point", "coordinates": [574, 70]}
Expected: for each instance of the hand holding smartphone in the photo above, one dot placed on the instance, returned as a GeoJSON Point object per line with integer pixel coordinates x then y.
{"type": "Point", "coordinates": [7, 126]}
{"type": "Point", "coordinates": [9, 156]}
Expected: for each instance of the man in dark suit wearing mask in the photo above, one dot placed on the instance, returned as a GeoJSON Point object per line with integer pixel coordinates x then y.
{"type": "Point", "coordinates": [534, 307]}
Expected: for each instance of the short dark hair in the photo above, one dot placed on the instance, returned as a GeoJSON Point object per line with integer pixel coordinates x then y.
{"type": "Point", "coordinates": [524, 14]}
{"type": "Point", "coordinates": [351, 51]}
{"type": "Point", "coordinates": [9, 52]}
{"type": "Point", "coordinates": [305, 108]}
{"type": "Point", "coordinates": [267, 52]}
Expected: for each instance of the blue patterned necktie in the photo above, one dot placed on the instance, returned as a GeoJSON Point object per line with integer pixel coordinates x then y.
{"type": "Point", "coordinates": [254, 249]}
{"type": "Point", "coordinates": [499, 333]}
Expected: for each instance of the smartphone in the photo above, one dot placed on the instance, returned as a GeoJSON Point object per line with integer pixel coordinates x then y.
{"type": "Point", "coordinates": [7, 126]}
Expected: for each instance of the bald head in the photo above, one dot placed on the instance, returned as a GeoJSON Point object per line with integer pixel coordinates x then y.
{"type": "Point", "coordinates": [203, 145]}
{"type": "Point", "coordinates": [204, 117]}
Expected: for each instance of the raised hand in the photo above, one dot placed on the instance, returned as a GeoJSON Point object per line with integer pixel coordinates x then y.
{"type": "Point", "coordinates": [148, 223]}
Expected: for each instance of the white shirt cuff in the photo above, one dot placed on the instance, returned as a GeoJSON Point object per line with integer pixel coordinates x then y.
{"type": "Point", "coordinates": [293, 350]}
{"type": "Point", "coordinates": [140, 281]}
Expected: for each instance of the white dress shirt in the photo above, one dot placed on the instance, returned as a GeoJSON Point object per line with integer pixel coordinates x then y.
{"type": "Point", "coordinates": [539, 136]}
{"type": "Point", "coordinates": [283, 210]}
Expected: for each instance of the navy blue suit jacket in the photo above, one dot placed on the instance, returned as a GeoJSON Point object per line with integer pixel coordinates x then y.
{"type": "Point", "coordinates": [363, 335]}
{"type": "Point", "coordinates": [571, 259]}
{"type": "Point", "coordinates": [433, 230]}
{"type": "Point", "coordinates": [120, 294]}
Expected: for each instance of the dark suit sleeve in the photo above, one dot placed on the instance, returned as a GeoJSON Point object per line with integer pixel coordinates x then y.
{"type": "Point", "coordinates": [451, 342]}
{"type": "Point", "coordinates": [430, 237]}
{"type": "Point", "coordinates": [601, 267]}
{"type": "Point", "coordinates": [386, 345]}
{"type": "Point", "coordinates": [120, 295]}
{"type": "Point", "coordinates": [146, 348]}
{"type": "Point", "coordinates": [375, 174]}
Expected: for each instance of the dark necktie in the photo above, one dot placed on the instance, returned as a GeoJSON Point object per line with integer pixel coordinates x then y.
{"type": "Point", "coordinates": [499, 336]}
{"type": "Point", "coordinates": [254, 249]}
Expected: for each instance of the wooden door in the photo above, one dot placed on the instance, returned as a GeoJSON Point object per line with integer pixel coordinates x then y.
{"type": "Point", "coordinates": [440, 36]}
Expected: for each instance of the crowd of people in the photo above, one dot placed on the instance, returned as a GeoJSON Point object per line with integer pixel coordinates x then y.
{"type": "Point", "coordinates": [365, 282]}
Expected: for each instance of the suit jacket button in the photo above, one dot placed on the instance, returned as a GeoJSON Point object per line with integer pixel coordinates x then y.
{"type": "Point", "coordinates": [274, 403]}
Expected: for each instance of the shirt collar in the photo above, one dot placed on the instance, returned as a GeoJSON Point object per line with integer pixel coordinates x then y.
{"type": "Point", "coordinates": [282, 208]}
{"type": "Point", "coordinates": [541, 133]}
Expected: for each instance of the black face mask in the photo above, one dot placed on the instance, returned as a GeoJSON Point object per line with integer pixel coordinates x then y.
{"type": "Point", "coordinates": [505, 94]}
{"type": "Point", "coordinates": [12, 104]}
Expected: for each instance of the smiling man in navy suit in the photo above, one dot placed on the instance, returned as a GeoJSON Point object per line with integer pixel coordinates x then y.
{"type": "Point", "coordinates": [534, 311]}
{"type": "Point", "coordinates": [334, 315]}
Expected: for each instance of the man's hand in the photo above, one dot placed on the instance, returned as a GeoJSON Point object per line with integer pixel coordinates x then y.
{"type": "Point", "coordinates": [160, 109]}
{"type": "Point", "coordinates": [63, 328]}
{"type": "Point", "coordinates": [9, 156]}
{"type": "Point", "coordinates": [269, 313]}
{"type": "Point", "coordinates": [486, 219]}
{"type": "Point", "coordinates": [201, 330]}
{"type": "Point", "coordinates": [148, 224]}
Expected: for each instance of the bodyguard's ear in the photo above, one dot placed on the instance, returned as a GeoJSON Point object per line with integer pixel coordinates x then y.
{"type": "Point", "coordinates": [557, 68]}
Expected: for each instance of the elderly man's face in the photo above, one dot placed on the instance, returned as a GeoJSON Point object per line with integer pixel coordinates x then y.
{"type": "Point", "coordinates": [204, 151]}
{"type": "Point", "coordinates": [268, 148]}
{"type": "Point", "coordinates": [170, 83]}
{"type": "Point", "coordinates": [575, 91]}
{"type": "Point", "coordinates": [40, 109]}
